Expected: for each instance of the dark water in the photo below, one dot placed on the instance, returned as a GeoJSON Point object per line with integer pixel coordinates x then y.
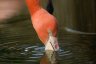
{"type": "Point", "coordinates": [19, 43]}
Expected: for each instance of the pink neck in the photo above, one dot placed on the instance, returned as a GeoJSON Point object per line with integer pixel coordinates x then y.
{"type": "Point", "coordinates": [33, 6]}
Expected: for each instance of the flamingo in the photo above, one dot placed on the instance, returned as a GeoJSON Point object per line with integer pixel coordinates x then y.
{"type": "Point", "coordinates": [44, 23]}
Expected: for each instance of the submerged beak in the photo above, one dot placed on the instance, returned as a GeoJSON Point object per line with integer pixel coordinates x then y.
{"type": "Point", "coordinates": [52, 43]}
{"type": "Point", "coordinates": [50, 57]}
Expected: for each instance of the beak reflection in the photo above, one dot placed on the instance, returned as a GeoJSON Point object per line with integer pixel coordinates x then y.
{"type": "Point", "coordinates": [50, 57]}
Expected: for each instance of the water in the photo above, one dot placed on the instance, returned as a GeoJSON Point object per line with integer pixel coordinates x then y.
{"type": "Point", "coordinates": [19, 43]}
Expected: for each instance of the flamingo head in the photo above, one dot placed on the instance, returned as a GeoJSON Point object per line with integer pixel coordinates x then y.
{"type": "Point", "coordinates": [52, 43]}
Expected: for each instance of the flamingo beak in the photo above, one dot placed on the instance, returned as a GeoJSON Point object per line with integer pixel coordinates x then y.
{"type": "Point", "coordinates": [52, 43]}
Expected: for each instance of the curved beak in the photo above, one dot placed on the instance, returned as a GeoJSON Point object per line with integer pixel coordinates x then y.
{"type": "Point", "coordinates": [52, 43]}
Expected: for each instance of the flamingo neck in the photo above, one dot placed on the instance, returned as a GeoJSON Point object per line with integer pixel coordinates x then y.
{"type": "Point", "coordinates": [33, 6]}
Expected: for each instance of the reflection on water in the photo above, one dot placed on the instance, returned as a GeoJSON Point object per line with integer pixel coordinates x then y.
{"type": "Point", "coordinates": [19, 43]}
{"type": "Point", "coordinates": [49, 57]}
